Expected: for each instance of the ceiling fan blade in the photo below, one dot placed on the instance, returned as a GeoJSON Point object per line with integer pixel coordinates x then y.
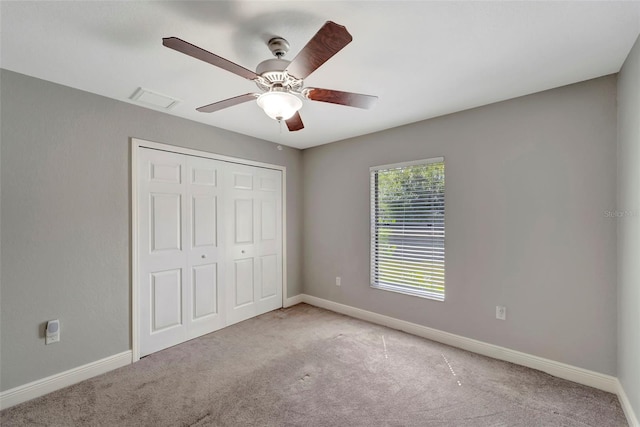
{"type": "Point", "coordinates": [328, 41]}
{"type": "Point", "coordinates": [342, 98]}
{"type": "Point", "coordinates": [295, 122]}
{"type": "Point", "coordinates": [206, 56]}
{"type": "Point", "coordinates": [227, 103]}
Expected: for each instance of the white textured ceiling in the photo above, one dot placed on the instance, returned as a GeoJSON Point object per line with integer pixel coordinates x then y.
{"type": "Point", "coordinates": [423, 59]}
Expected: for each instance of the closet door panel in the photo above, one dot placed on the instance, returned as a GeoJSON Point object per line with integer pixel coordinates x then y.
{"type": "Point", "coordinates": [161, 256]}
{"type": "Point", "coordinates": [268, 246]}
{"type": "Point", "coordinates": [255, 250]}
{"type": "Point", "coordinates": [205, 253]}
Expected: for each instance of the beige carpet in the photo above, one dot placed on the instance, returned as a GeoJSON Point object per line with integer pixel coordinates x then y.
{"type": "Point", "coordinates": [305, 366]}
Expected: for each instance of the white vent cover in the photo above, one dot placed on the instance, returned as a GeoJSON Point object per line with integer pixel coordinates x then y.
{"type": "Point", "coordinates": [154, 99]}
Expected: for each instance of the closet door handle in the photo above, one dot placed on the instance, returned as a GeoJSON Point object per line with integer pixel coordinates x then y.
{"type": "Point", "coordinates": [204, 256]}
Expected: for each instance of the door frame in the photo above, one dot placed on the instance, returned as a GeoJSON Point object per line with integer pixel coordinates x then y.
{"type": "Point", "coordinates": [136, 145]}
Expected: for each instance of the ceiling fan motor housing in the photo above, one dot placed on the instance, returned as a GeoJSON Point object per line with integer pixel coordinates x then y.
{"type": "Point", "coordinates": [271, 74]}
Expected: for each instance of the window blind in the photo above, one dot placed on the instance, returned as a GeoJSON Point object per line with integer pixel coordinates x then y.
{"type": "Point", "coordinates": [407, 228]}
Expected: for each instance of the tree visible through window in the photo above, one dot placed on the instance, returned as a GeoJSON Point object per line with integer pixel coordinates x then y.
{"type": "Point", "coordinates": [407, 228]}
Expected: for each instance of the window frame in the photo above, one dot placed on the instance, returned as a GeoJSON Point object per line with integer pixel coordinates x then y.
{"type": "Point", "coordinates": [374, 258]}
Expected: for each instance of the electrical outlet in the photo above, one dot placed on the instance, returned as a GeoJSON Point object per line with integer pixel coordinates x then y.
{"type": "Point", "coordinates": [52, 332]}
{"type": "Point", "coordinates": [501, 312]}
{"type": "Point", "coordinates": [338, 281]}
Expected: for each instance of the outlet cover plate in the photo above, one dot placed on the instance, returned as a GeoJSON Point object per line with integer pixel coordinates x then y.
{"type": "Point", "coordinates": [52, 332]}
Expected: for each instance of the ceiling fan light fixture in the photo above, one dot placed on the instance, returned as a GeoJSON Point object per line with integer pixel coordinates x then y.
{"type": "Point", "coordinates": [280, 81]}
{"type": "Point", "coordinates": [279, 104]}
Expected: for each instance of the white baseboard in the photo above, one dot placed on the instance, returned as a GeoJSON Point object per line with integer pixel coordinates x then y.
{"type": "Point", "coordinates": [55, 382]}
{"type": "Point", "coordinates": [290, 302]}
{"type": "Point", "coordinates": [626, 406]}
{"type": "Point", "coordinates": [557, 369]}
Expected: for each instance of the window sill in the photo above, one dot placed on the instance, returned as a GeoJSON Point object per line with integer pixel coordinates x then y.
{"type": "Point", "coordinates": [409, 291]}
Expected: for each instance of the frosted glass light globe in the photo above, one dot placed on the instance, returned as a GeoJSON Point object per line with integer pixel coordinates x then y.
{"type": "Point", "coordinates": [279, 105]}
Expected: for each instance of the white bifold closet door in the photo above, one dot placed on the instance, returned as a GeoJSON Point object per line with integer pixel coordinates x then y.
{"type": "Point", "coordinates": [253, 243]}
{"type": "Point", "coordinates": [209, 245]}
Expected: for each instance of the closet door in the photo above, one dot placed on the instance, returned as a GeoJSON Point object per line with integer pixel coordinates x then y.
{"type": "Point", "coordinates": [254, 241]}
{"type": "Point", "coordinates": [180, 256]}
{"type": "Point", "coordinates": [162, 280]}
{"type": "Point", "coordinates": [204, 248]}
{"type": "Point", "coordinates": [209, 245]}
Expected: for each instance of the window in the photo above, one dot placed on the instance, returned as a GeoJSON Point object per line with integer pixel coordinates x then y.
{"type": "Point", "coordinates": [407, 228]}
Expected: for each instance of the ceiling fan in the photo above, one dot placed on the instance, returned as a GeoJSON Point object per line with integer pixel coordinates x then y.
{"type": "Point", "coordinates": [282, 82]}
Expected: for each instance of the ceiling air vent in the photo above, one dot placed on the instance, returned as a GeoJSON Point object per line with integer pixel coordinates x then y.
{"type": "Point", "coordinates": [153, 99]}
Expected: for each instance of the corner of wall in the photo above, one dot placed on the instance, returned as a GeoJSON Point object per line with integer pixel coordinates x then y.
{"type": "Point", "coordinates": [628, 234]}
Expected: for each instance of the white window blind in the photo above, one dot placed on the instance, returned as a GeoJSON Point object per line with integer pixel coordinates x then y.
{"type": "Point", "coordinates": [407, 228]}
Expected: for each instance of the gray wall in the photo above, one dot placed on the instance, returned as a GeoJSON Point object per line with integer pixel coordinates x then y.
{"type": "Point", "coordinates": [527, 184]}
{"type": "Point", "coordinates": [629, 227]}
{"type": "Point", "coordinates": [66, 218]}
